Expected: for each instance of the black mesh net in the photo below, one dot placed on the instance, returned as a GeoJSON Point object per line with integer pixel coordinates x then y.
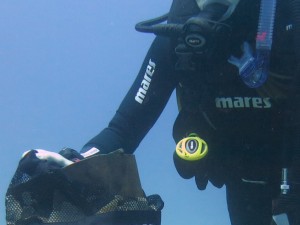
{"type": "Point", "coordinates": [100, 190]}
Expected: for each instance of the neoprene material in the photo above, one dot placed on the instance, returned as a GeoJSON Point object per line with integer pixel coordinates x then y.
{"type": "Point", "coordinates": [243, 128]}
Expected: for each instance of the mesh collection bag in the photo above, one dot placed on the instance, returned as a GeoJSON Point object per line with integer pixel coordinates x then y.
{"type": "Point", "coordinates": [101, 190]}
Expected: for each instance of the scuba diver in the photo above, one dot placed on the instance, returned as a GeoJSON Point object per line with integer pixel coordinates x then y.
{"type": "Point", "coordinates": [238, 90]}
{"type": "Point", "coordinates": [235, 65]}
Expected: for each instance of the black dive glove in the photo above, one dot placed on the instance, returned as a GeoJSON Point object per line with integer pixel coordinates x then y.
{"type": "Point", "coordinates": [186, 169]}
{"type": "Point", "coordinates": [204, 170]}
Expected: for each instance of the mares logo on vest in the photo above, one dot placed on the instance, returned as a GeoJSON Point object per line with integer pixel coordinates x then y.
{"type": "Point", "coordinates": [140, 95]}
{"type": "Point", "coordinates": [243, 102]}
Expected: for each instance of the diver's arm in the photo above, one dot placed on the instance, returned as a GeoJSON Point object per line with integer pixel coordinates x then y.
{"type": "Point", "coordinates": [143, 103]}
{"type": "Point", "coordinates": [149, 93]}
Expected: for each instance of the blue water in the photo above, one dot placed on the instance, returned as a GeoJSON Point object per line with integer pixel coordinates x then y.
{"type": "Point", "coordinates": [64, 68]}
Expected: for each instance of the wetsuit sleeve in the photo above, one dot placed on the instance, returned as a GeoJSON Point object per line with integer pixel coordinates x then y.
{"type": "Point", "coordinates": [143, 103]}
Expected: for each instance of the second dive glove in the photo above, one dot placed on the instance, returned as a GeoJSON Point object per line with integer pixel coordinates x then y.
{"type": "Point", "coordinates": [191, 159]}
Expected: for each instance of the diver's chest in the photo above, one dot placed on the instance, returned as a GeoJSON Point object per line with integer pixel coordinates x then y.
{"type": "Point", "coordinates": [225, 91]}
{"type": "Point", "coordinates": [225, 81]}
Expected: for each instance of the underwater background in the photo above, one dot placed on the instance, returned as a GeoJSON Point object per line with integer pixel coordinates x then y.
{"type": "Point", "coordinates": [65, 66]}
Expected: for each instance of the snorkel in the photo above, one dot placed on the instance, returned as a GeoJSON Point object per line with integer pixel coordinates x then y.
{"type": "Point", "coordinates": [254, 68]}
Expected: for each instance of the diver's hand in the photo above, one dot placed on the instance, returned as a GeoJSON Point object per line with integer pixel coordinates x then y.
{"type": "Point", "coordinates": [186, 169]}
{"type": "Point", "coordinates": [210, 170]}
{"type": "Point", "coordinates": [189, 169]}
{"type": "Point", "coordinates": [201, 180]}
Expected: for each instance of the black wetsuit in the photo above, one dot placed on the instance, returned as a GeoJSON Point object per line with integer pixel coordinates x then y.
{"type": "Point", "coordinates": [244, 128]}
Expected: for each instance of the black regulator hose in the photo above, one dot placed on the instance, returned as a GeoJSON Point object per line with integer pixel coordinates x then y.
{"type": "Point", "coordinates": [197, 32]}
{"type": "Point", "coordinates": [156, 27]}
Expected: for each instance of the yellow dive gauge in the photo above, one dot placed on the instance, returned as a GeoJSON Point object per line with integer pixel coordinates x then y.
{"type": "Point", "coordinates": [191, 148]}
